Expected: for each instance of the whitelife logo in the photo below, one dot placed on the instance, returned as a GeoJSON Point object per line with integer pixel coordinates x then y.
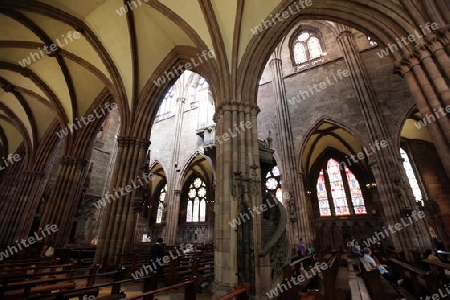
{"type": "Point", "coordinates": [168, 75]}
{"type": "Point", "coordinates": [90, 118]}
{"type": "Point", "coordinates": [69, 37]}
{"type": "Point", "coordinates": [409, 39]}
{"type": "Point", "coordinates": [128, 189]}
{"type": "Point", "coordinates": [49, 229]}
{"type": "Point", "coordinates": [416, 215]}
{"type": "Point", "coordinates": [265, 24]}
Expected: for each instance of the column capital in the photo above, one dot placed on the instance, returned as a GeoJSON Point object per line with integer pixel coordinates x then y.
{"type": "Point", "coordinates": [68, 160]}
{"type": "Point", "coordinates": [238, 107]}
{"type": "Point", "coordinates": [422, 52]}
{"type": "Point", "coordinates": [435, 45]}
{"type": "Point", "coordinates": [411, 61]}
{"type": "Point", "coordinates": [343, 34]}
{"type": "Point", "coordinates": [401, 68]}
{"type": "Point", "coordinates": [39, 175]}
{"type": "Point", "coordinates": [124, 141]}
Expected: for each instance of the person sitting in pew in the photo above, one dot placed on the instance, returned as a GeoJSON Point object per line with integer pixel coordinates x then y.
{"type": "Point", "coordinates": [393, 278]}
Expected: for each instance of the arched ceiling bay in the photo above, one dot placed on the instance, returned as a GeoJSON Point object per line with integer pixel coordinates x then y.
{"type": "Point", "coordinates": [328, 136]}
{"type": "Point", "coordinates": [116, 50]}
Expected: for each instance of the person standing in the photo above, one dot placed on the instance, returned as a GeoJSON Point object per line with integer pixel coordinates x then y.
{"type": "Point", "coordinates": [156, 255]}
{"type": "Point", "coordinates": [301, 248]}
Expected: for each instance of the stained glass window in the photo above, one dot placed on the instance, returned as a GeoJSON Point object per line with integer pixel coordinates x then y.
{"type": "Point", "coordinates": [324, 205]}
{"type": "Point", "coordinates": [331, 187]}
{"type": "Point", "coordinates": [355, 193]}
{"type": "Point", "coordinates": [411, 176]}
{"type": "Point", "coordinates": [372, 43]}
{"type": "Point", "coordinates": [307, 47]}
{"type": "Point", "coordinates": [273, 183]}
{"type": "Point", "coordinates": [337, 188]}
{"type": "Point", "coordinates": [162, 197]}
{"type": "Point", "coordinates": [196, 208]}
{"type": "Point", "coordinates": [300, 53]}
{"type": "Point", "coordinates": [314, 48]}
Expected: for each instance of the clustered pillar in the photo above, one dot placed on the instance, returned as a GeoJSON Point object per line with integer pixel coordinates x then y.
{"type": "Point", "coordinates": [119, 218]}
{"type": "Point", "coordinates": [293, 185]}
{"type": "Point", "coordinates": [64, 198]}
{"type": "Point", "coordinates": [396, 197]}
{"type": "Point", "coordinates": [237, 155]}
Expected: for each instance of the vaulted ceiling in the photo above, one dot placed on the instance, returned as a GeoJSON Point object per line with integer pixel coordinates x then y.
{"type": "Point", "coordinates": [93, 45]}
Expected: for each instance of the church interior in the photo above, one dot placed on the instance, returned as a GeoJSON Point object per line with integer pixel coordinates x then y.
{"type": "Point", "coordinates": [280, 149]}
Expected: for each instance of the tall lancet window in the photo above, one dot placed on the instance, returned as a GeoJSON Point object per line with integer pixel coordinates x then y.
{"type": "Point", "coordinates": [273, 183]}
{"type": "Point", "coordinates": [411, 177]}
{"type": "Point", "coordinates": [338, 188]}
{"type": "Point", "coordinates": [162, 197]}
{"type": "Point", "coordinates": [196, 207]}
{"type": "Point", "coordinates": [306, 47]}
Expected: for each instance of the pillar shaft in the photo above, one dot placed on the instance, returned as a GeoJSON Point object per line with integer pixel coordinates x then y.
{"type": "Point", "coordinates": [238, 185]}
{"type": "Point", "coordinates": [64, 198]}
{"type": "Point", "coordinates": [173, 199]}
{"type": "Point", "coordinates": [434, 129]}
{"type": "Point", "coordinates": [119, 217]}
{"type": "Point", "coordinates": [385, 165]}
{"type": "Point", "coordinates": [292, 181]}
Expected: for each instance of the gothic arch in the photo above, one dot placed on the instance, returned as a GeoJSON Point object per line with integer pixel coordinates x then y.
{"type": "Point", "coordinates": [338, 124]}
{"type": "Point", "coordinates": [204, 167]}
{"type": "Point", "coordinates": [380, 21]}
{"type": "Point", "coordinates": [151, 94]}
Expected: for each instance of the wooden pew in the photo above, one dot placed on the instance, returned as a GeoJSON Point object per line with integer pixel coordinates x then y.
{"type": "Point", "coordinates": [86, 292]}
{"type": "Point", "coordinates": [20, 263]}
{"type": "Point", "coordinates": [17, 277]}
{"type": "Point", "coordinates": [438, 269]}
{"type": "Point", "coordinates": [241, 292]}
{"type": "Point", "coordinates": [329, 277]}
{"type": "Point", "coordinates": [28, 288]}
{"type": "Point", "coordinates": [413, 273]}
{"type": "Point", "coordinates": [379, 288]}
{"type": "Point", "coordinates": [335, 278]}
{"type": "Point", "coordinates": [189, 291]}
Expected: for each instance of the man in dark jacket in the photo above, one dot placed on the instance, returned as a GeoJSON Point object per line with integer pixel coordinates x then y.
{"type": "Point", "coordinates": [156, 255]}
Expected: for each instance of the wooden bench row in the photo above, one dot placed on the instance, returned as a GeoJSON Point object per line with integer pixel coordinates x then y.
{"type": "Point", "coordinates": [335, 278]}
{"type": "Point", "coordinates": [65, 288]}
{"type": "Point", "coordinates": [378, 287]}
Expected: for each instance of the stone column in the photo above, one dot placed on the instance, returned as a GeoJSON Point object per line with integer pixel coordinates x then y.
{"type": "Point", "coordinates": [412, 71]}
{"type": "Point", "coordinates": [384, 163]}
{"type": "Point", "coordinates": [173, 214]}
{"type": "Point", "coordinates": [36, 182]}
{"type": "Point", "coordinates": [299, 225]}
{"type": "Point", "coordinates": [173, 199]}
{"type": "Point", "coordinates": [21, 204]}
{"type": "Point", "coordinates": [119, 217]}
{"type": "Point", "coordinates": [237, 160]}
{"type": "Point", "coordinates": [64, 198]}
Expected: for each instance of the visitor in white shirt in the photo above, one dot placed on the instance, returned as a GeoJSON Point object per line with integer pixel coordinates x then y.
{"type": "Point", "coordinates": [382, 269]}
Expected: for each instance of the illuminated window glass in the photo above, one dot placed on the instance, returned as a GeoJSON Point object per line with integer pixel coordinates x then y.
{"type": "Point", "coordinates": [314, 48]}
{"type": "Point", "coordinates": [337, 188]}
{"type": "Point", "coordinates": [300, 53]}
{"type": "Point", "coordinates": [202, 210]}
{"type": "Point", "coordinates": [196, 208]}
{"type": "Point", "coordinates": [162, 197]}
{"type": "Point", "coordinates": [411, 176]}
{"type": "Point", "coordinates": [306, 47]}
{"type": "Point", "coordinates": [324, 205]}
{"type": "Point", "coordinates": [331, 190]}
{"type": "Point", "coordinates": [355, 193]}
{"type": "Point", "coordinates": [273, 183]}
{"type": "Point", "coordinates": [372, 43]}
